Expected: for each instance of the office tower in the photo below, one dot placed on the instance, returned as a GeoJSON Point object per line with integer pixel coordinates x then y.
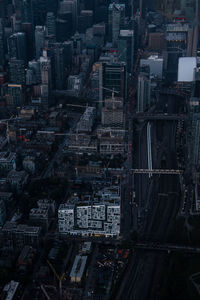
{"type": "Point", "coordinates": [39, 11]}
{"type": "Point", "coordinates": [15, 23]}
{"type": "Point", "coordinates": [116, 19]}
{"type": "Point", "coordinates": [58, 66]}
{"type": "Point", "coordinates": [76, 44]}
{"type": "Point", "coordinates": [33, 75]}
{"type": "Point", "coordinates": [26, 11]}
{"type": "Point", "coordinates": [14, 95]}
{"type": "Point", "coordinates": [189, 8]}
{"type": "Point", "coordinates": [64, 26]}
{"type": "Point", "coordinates": [112, 78]}
{"type": "Point", "coordinates": [2, 9]}
{"type": "Point", "coordinates": [51, 24]}
{"type": "Point", "coordinates": [85, 20]}
{"type": "Point", "coordinates": [46, 80]}
{"type": "Point", "coordinates": [177, 37]}
{"type": "Point", "coordinates": [126, 48]}
{"type": "Point", "coordinates": [68, 46]}
{"type": "Point", "coordinates": [39, 40]}
{"type": "Point", "coordinates": [99, 8]}
{"type": "Point", "coordinates": [52, 6]}
{"type": "Point", "coordinates": [143, 92]}
{"type": "Point", "coordinates": [2, 44]}
{"type": "Point", "coordinates": [17, 71]}
{"type": "Point", "coordinates": [17, 46]}
{"type": "Point", "coordinates": [70, 6]}
{"type": "Point", "coordinates": [2, 213]}
{"type": "Point", "coordinates": [27, 28]}
{"type": "Point", "coordinates": [45, 69]}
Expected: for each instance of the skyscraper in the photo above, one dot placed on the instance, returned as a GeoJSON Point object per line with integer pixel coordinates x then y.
{"type": "Point", "coordinates": [112, 77]}
{"type": "Point", "coordinates": [17, 46]}
{"type": "Point", "coordinates": [2, 52]}
{"type": "Point", "coordinates": [14, 95]}
{"type": "Point", "coordinates": [143, 92]}
{"type": "Point", "coordinates": [17, 71]}
{"type": "Point", "coordinates": [39, 40]}
{"type": "Point", "coordinates": [26, 11]}
{"type": "Point", "coordinates": [126, 48]}
{"type": "Point", "coordinates": [51, 24]}
{"type": "Point", "coordinates": [27, 28]}
{"type": "Point", "coordinates": [70, 6]}
{"type": "Point", "coordinates": [116, 18]}
{"type": "Point", "coordinates": [190, 8]}
{"type": "Point", "coordinates": [59, 66]}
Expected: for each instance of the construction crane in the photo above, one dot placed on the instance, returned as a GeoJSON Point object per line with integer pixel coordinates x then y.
{"type": "Point", "coordinates": [60, 278]}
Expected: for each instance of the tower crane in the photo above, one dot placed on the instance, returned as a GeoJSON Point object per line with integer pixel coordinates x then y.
{"type": "Point", "coordinates": [60, 278]}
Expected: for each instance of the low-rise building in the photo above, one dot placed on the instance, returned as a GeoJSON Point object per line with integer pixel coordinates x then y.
{"type": "Point", "coordinates": [7, 161]}
{"type": "Point", "coordinates": [39, 216]}
{"type": "Point", "coordinates": [29, 164]}
{"type": "Point", "coordinates": [7, 198]}
{"type": "Point", "coordinates": [10, 290]}
{"type": "Point", "coordinates": [99, 215]}
{"type": "Point", "coordinates": [17, 180]}
{"type": "Point", "coordinates": [81, 142]}
{"type": "Point", "coordinates": [16, 236]}
{"type": "Point", "coordinates": [48, 204]}
{"type": "Point", "coordinates": [86, 121]}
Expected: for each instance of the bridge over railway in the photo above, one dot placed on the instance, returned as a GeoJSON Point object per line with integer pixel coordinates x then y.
{"type": "Point", "coordinates": [157, 171]}
{"type": "Point", "coordinates": [166, 247]}
{"type": "Point", "coordinates": [166, 117]}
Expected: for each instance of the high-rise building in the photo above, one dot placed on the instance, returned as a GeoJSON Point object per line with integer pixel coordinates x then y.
{"type": "Point", "coordinates": [85, 20]}
{"type": "Point", "coordinates": [14, 95]}
{"type": "Point", "coordinates": [177, 41]}
{"type": "Point", "coordinates": [17, 46]}
{"type": "Point", "coordinates": [112, 77]}
{"type": "Point", "coordinates": [46, 80]}
{"type": "Point", "coordinates": [39, 40]}
{"type": "Point", "coordinates": [2, 213]}
{"type": "Point", "coordinates": [64, 26]}
{"type": "Point", "coordinates": [143, 92]}
{"type": "Point", "coordinates": [189, 8]}
{"type": "Point", "coordinates": [2, 43]}
{"type": "Point", "coordinates": [51, 24]}
{"type": "Point", "coordinates": [70, 6]}
{"type": "Point", "coordinates": [2, 9]}
{"type": "Point", "coordinates": [39, 11]}
{"type": "Point", "coordinates": [116, 19]}
{"type": "Point", "coordinates": [58, 66]}
{"type": "Point", "coordinates": [26, 11]}
{"type": "Point", "coordinates": [27, 28]}
{"type": "Point", "coordinates": [17, 71]}
{"type": "Point", "coordinates": [45, 69]}
{"type": "Point", "coordinates": [126, 48]}
{"type": "Point", "coordinates": [33, 75]}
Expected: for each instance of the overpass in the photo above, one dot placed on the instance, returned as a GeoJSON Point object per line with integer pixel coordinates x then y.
{"type": "Point", "coordinates": [174, 91]}
{"type": "Point", "coordinates": [157, 171]}
{"type": "Point", "coordinates": [152, 117]}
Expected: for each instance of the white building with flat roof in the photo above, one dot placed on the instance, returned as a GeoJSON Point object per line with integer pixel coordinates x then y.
{"type": "Point", "coordinates": [97, 216]}
{"type": "Point", "coordinates": [186, 69]}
